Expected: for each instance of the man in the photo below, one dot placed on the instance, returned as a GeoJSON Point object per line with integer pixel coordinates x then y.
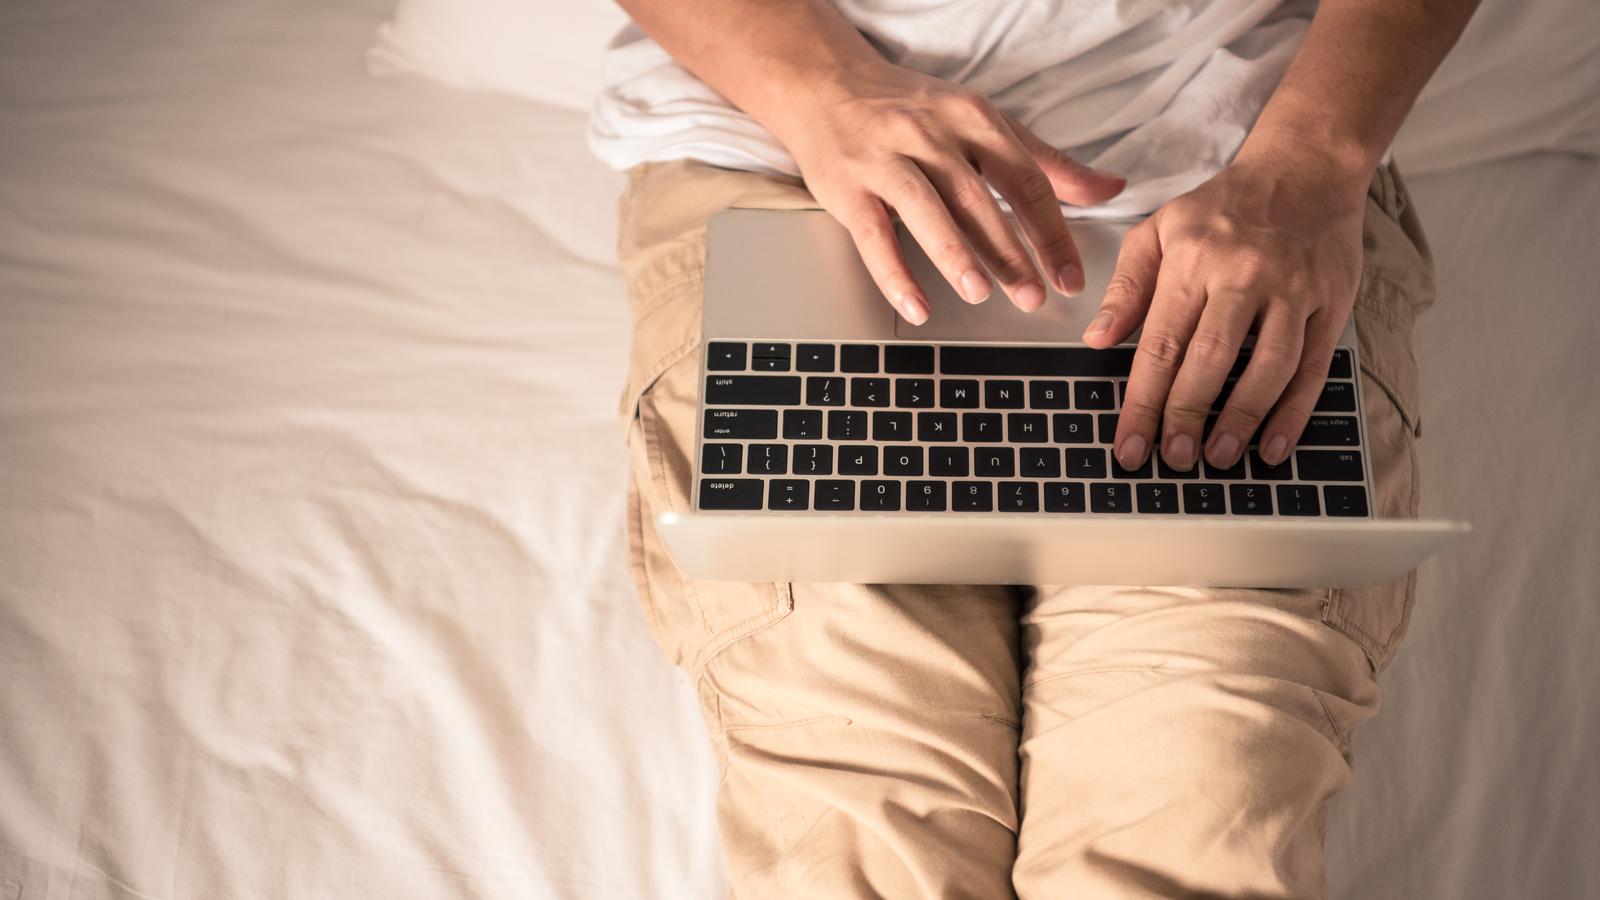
{"type": "Point", "coordinates": [904, 741]}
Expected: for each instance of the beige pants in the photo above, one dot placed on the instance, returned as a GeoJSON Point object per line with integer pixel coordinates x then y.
{"type": "Point", "coordinates": [985, 742]}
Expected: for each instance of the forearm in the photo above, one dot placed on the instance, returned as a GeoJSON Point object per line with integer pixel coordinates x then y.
{"type": "Point", "coordinates": [758, 54]}
{"type": "Point", "coordinates": [1352, 82]}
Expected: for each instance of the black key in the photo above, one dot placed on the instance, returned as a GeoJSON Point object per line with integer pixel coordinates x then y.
{"type": "Point", "coordinates": [1004, 395]}
{"type": "Point", "coordinates": [1058, 361]}
{"type": "Point", "coordinates": [972, 496]}
{"type": "Point", "coordinates": [768, 459]}
{"type": "Point", "coordinates": [977, 427]}
{"type": "Point", "coordinates": [1145, 470]}
{"type": "Point", "coordinates": [722, 356]}
{"type": "Point", "coordinates": [822, 390]}
{"type": "Point", "coordinates": [958, 393]}
{"type": "Point", "coordinates": [880, 496]}
{"type": "Point", "coordinates": [925, 496]}
{"type": "Point", "coordinates": [1250, 499]}
{"type": "Point", "coordinates": [1085, 462]}
{"type": "Point", "coordinates": [1341, 367]}
{"type": "Point", "coordinates": [858, 358]}
{"type": "Point", "coordinates": [1063, 497]}
{"type": "Point", "coordinates": [1329, 465]}
{"type": "Point", "coordinates": [1167, 471]}
{"type": "Point", "coordinates": [752, 390]}
{"type": "Point", "coordinates": [769, 364]}
{"type": "Point", "coordinates": [1157, 498]}
{"type": "Point", "coordinates": [1039, 462]}
{"type": "Point", "coordinates": [1111, 498]}
{"type": "Point", "coordinates": [835, 494]}
{"type": "Point", "coordinates": [741, 423]}
{"type": "Point", "coordinates": [1018, 496]}
{"type": "Point", "coordinates": [813, 459]}
{"type": "Point", "coordinates": [1108, 427]}
{"type": "Point", "coordinates": [891, 426]}
{"type": "Point", "coordinates": [770, 351]}
{"type": "Point", "coordinates": [1337, 396]}
{"type": "Point", "coordinates": [814, 358]}
{"type": "Point", "coordinates": [788, 493]}
{"type": "Point", "coordinates": [1073, 428]}
{"type": "Point", "coordinates": [1298, 500]}
{"type": "Point", "coordinates": [1345, 499]}
{"type": "Point", "coordinates": [869, 392]}
{"type": "Point", "coordinates": [1232, 473]}
{"type": "Point", "coordinates": [847, 425]}
{"type": "Point", "coordinates": [802, 424]}
{"type": "Point", "coordinates": [730, 493]}
{"type": "Point", "coordinates": [1331, 431]}
{"type": "Point", "coordinates": [994, 462]}
{"type": "Point", "coordinates": [907, 359]}
{"type": "Point", "coordinates": [1094, 395]}
{"type": "Point", "coordinates": [1048, 395]}
{"type": "Point", "coordinates": [862, 460]}
{"type": "Point", "coordinates": [936, 426]}
{"type": "Point", "coordinates": [902, 460]}
{"type": "Point", "coordinates": [1260, 471]}
{"type": "Point", "coordinates": [1122, 391]}
{"type": "Point", "coordinates": [1204, 500]}
{"type": "Point", "coordinates": [1027, 428]}
{"type": "Point", "coordinates": [720, 459]}
{"type": "Point", "coordinates": [916, 393]}
{"type": "Point", "coordinates": [948, 461]}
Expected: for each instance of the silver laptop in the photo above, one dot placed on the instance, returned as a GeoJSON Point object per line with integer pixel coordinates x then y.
{"type": "Point", "coordinates": [838, 442]}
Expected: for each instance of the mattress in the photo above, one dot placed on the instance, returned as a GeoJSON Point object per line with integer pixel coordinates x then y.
{"type": "Point", "coordinates": [312, 579]}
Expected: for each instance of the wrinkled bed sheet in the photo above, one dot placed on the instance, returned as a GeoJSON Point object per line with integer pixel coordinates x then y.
{"type": "Point", "coordinates": [311, 569]}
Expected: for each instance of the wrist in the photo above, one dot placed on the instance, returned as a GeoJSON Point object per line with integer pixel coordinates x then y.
{"type": "Point", "coordinates": [1334, 167]}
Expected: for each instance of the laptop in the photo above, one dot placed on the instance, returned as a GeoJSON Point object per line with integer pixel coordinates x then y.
{"type": "Point", "coordinates": [839, 443]}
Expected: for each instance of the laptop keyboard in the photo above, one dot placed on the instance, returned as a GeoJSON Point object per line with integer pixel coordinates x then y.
{"type": "Point", "coordinates": [925, 428]}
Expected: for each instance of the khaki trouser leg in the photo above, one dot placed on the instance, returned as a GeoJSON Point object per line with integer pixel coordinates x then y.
{"type": "Point", "coordinates": [1173, 741]}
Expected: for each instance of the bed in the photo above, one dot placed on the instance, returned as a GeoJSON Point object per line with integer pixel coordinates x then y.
{"type": "Point", "coordinates": [311, 568]}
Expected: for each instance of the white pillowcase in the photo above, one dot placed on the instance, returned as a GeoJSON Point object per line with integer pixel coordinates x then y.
{"type": "Point", "coordinates": [1525, 77]}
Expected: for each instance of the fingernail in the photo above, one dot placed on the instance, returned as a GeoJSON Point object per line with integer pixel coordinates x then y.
{"type": "Point", "coordinates": [1180, 451]}
{"type": "Point", "coordinates": [1131, 454]}
{"type": "Point", "coordinates": [1276, 450]}
{"type": "Point", "coordinates": [1069, 279]}
{"type": "Point", "coordinates": [974, 287]}
{"type": "Point", "coordinates": [1224, 451]}
{"type": "Point", "coordinates": [1099, 324]}
{"type": "Point", "coordinates": [914, 308]}
{"type": "Point", "coordinates": [1030, 297]}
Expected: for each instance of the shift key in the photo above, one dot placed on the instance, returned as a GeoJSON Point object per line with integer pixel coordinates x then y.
{"type": "Point", "coordinates": [752, 390]}
{"type": "Point", "coordinates": [748, 424]}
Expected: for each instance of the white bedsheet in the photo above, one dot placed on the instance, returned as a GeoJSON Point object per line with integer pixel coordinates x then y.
{"type": "Point", "coordinates": [311, 570]}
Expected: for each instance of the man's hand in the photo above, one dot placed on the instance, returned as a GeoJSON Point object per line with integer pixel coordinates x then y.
{"type": "Point", "coordinates": [1272, 244]}
{"type": "Point", "coordinates": [878, 139]}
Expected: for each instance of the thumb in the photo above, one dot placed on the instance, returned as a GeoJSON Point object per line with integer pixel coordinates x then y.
{"type": "Point", "coordinates": [1073, 181]}
{"type": "Point", "coordinates": [1131, 289]}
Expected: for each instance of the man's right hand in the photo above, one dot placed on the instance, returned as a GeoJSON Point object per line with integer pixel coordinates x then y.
{"type": "Point", "coordinates": [879, 139]}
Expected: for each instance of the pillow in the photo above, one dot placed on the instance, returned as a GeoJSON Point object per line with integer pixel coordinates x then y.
{"type": "Point", "coordinates": [1525, 77]}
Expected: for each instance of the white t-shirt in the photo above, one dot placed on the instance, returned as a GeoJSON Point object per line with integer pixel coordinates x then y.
{"type": "Point", "coordinates": [1160, 91]}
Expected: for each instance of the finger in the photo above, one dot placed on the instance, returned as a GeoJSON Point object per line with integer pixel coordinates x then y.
{"type": "Point", "coordinates": [1007, 163]}
{"type": "Point", "coordinates": [987, 229]}
{"type": "Point", "coordinates": [1019, 180]}
{"type": "Point", "coordinates": [1073, 181]}
{"type": "Point", "coordinates": [1273, 361]}
{"type": "Point", "coordinates": [1288, 419]}
{"type": "Point", "coordinates": [869, 226]}
{"type": "Point", "coordinates": [1210, 354]}
{"type": "Point", "coordinates": [1174, 312]}
{"type": "Point", "coordinates": [922, 210]}
{"type": "Point", "coordinates": [1133, 284]}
